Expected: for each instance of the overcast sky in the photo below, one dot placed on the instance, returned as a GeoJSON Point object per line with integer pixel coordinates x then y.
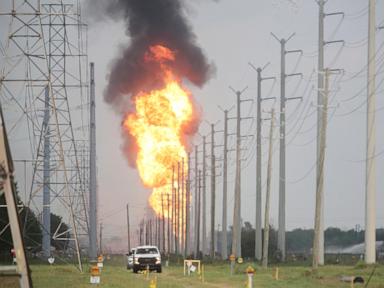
{"type": "Point", "coordinates": [233, 33]}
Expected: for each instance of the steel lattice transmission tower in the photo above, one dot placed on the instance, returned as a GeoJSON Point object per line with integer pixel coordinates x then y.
{"type": "Point", "coordinates": [44, 91]}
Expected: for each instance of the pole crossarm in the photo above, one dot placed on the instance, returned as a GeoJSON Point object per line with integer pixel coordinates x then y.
{"type": "Point", "coordinates": [334, 41]}
{"type": "Point", "coordinates": [334, 14]}
{"type": "Point", "coordinates": [268, 98]}
{"type": "Point", "coordinates": [294, 74]}
{"type": "Point", "coordinates": [294, 51]}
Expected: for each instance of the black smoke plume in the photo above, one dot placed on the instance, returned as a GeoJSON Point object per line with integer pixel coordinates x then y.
{"type": "Point", "coordinates": [152, 22]}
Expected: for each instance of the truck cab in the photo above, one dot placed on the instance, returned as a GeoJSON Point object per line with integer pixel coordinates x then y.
{"type": "Point", "coordinates": [147, 257]}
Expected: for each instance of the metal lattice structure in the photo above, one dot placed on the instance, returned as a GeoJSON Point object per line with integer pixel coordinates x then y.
{"type": "Point", "coordinates": [44, 92]}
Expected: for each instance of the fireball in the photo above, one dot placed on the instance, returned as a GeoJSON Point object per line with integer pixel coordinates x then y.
{"type": "Point", "coordinates": [157, 125]}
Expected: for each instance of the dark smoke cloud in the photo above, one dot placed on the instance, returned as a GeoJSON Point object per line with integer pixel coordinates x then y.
{"type": "Point", "coordinates": [151, 22]}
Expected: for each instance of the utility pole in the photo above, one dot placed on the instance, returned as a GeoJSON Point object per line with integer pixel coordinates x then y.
{"type": "Point", "coordinates": [173, 242]}
{"type": "Point", "coordinates": [92, 171]}
{"type": "Point", "coordinates": [370, 182]}
{"type": "Point", "coordinates": [46, 243]}
{"type": "Point", "coordinates": [281, 232]}
{"type": "Point", "coordinates": [198, 217]}
{"type": "Point", "coordinates": [163, 220]}
{"type": "Point", "coordinates": [168, 226]}
{"type": "Point", "coordinates": [197, 214]}
{"type": "Point", "coordinates": [187, 208]}
{"type": "Point", "coordinates": [155, 232]}
{"type": "Point", "coordinates": [129, 233]}
{"type": "Point", "coordinates": [258, 228]}
{"type": "Point", "coordinates": [267, 197]}
{"type": "Point", "coordinates": [150, 232]}
{"type": "Point", "coordinates": [213, 190]}
{"type": "Point", "coordinates": [182, 208]}
{"type": "Point", "coordinates": [320, 100]}
{"type": "Point", "coordinates": [101, 239]}
{"type": "Point", "coordinates": [319, 181]}
{"type": "Point", "coordinates": [319, 192]}
{"type": "Point", "coordinates": [224, 242]}
{"type": "Point", "coordinates": [177, 228]}
{"type": "Point", "coordinates": [236, 235]}
{"type": "Point", "coordinates": [158, 231]}
{"type": "Point", "coordinates": [204, 202]}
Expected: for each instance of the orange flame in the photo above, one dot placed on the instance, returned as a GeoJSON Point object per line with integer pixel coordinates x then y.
{"type": "Point", "coordinates": [157, 127]}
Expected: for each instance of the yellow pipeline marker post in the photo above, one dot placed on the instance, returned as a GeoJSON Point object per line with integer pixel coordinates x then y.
{"type": "Point", "coordinates": [95, 275]}
{"type": "Point", "coordinates": [147, 272]}
{"type": "Point", "coordinates": [153, 283]}
{"type": "Point", "coordinates": [276, 273]}
{"type": "Point", "coordinates": [250, 272]}
{"type": "Point", "coordinates": [232, 259]}
{"type": "Point", "coordinates": [100, 262]}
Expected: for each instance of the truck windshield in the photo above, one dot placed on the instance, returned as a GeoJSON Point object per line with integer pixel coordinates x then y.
{"type": "Point", "coordinates": [147, 251]}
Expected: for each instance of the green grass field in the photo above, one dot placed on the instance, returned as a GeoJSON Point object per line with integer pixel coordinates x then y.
{"type": "Point", "coordinates": [115, 275]}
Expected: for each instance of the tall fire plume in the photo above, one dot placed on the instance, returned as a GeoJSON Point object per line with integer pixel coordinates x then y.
{"type": "Point", "coordinates": [148, 87]}
{"type": "Point", "coordinates": [158, 127]}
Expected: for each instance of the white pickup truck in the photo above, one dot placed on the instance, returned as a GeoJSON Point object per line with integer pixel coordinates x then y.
{"type": "Point", "coordinates": [147, 257]}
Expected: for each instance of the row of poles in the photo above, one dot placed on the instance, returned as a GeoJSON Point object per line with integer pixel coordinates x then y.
{"type": "Point", "coordinates": [170, 232]}
{"type": "Point", "coordinates": [200, 195]}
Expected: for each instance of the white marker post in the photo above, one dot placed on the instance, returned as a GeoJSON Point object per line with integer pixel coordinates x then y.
{"type": "Point", "coordinates": [95, 275]}
{"type": "Point", "coordinates": [100, 262]}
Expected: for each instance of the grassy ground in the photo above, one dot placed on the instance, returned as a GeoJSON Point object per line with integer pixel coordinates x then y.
{"type": "Point", "coordinates": [114, 275]}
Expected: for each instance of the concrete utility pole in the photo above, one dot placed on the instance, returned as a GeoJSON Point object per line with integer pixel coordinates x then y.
{"type": "Point", "coordinates": [204, 202]}
{"type": "Point", "coordinates": [149, 224]}
{"type": "Point", "coordinates": [168, 225]}
{"type": "Point", "coordinates": [196, 234]}
{"type": "Point", "coordinates": [182, 208]}
{"type": "Point", "coordinates": [213, 191]}
{"type": "Point", "coordinates": [177, 228]}
{"type": "Point", "coordinates": [101, 239]}
{"type": "Point", "coordinates": [173, 228]}
{"type": "Point", "coordinates": [236, 235]}
{"type": "Point", "coordinates": [187, 208]}
{"type": "Point", "coordinates": [370, 182]}
{"type": "Point", "coordinates": [224, 242]}
{"type": "Point", "coordinates": [320, 91]}
{"type": "Point", "coordinates": [258, 229]}
{"type": "Point", "coordinates": [320, 95]}
{"type": "Point", "coordinates": [46, 183]}
{"type": "Point", "coordinates": [92, 171]}
{"type": "Point", "coordinates": [267, 197]}
{"type": "Point", "coordinates": [158, 231]}
{"type": "Point", "coordinates": [319, 192]}
{"type": "Point", "coordinates": [198, 216]}
{"type": "Point", "coordinates": [163, 221]}
{"type": "Point", "coordinates": [281, 232]}
{"type": "Point", "coordinates": [128, 230]}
